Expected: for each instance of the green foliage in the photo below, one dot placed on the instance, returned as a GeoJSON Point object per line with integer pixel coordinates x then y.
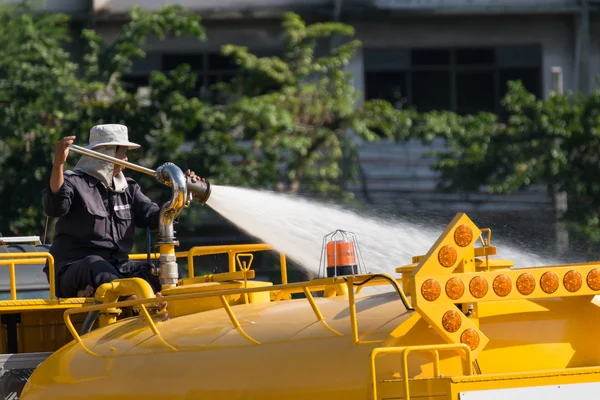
{"type": "Point", "coordinates": [553, 142]}
{"type": "Point", "coordinates": [45, 95]}
{"type": "Point", "coordinates": [298, 110]}
{"type": "Point", "coordinates": [37, 93]}
{"type": "Point", "coordinates": [103, 61]}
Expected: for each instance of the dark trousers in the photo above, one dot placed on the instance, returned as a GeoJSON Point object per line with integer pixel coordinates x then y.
{"type": "Point", "coordinates": [94, 271]}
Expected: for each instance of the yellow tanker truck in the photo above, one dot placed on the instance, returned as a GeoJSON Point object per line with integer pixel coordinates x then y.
{"type": "Point", "coordinates": [455, 323]}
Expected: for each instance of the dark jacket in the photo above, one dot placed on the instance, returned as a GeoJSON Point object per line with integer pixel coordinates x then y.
{"type": "Point", "coordinates": [94, 220]}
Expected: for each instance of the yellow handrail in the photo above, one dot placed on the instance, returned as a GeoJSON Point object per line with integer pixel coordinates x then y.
{"type": "Point", "coordinates": [317, 311]}
{"type": "Point", "coordinates": [283, 266]}
{"type": "Point", "coordinates": [12, 259]}
{"type": "Point", "coordinates": [485, 242]}
{"type": "Point", "coordinates": [315, 285]}
{"type": "Point", "coordinates": [231, 250]}
{"type": "Point", "coordinates": [145, 314]}
{"type": "Point", "coordinates": [234, 320]}
{"type": "Point", "coordinates": [406, 350]}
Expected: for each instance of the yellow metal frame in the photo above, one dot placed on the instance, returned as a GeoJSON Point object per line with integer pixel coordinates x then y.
{"type": "Point", "coordinates": [450, 387]}
{"type": "Point", "coordinates": [431, 276]}
{"type": "Point", "coordinates": [430, 269]}
{"type": "Point", "coordinates": [405, 351]}
{"type": "Point", "coordinates": [12, 259]}
{"type": "Point", "coordinates": [232, 252]}
{"type": "Point", "coordinates": [306, 287]}
{"type": "Point", "coordinates": [433, 305]}
{"type": "Point", "coordinates": [41, 309]}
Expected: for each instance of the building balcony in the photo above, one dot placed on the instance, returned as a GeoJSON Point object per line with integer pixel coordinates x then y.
{"type": "Point", "coordinates": [242, 8]}
{"type": "Point", "coordinates": [215, 7]}
{"type": "Point", "coordinates": [431, 6]}
{"type": "Point", "coordinates": [481, 6]}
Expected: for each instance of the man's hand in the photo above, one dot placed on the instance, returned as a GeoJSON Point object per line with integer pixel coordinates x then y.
{"type": "Point", "coordinates": [193, 176]}
{"type": "Point", "coordinates": [60, 157]}
{"type": "Point", "coordinates": [62, 150]}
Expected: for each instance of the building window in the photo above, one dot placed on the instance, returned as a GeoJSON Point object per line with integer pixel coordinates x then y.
{"type": "Point", "coordinates": [431, 90]}
{"type": "Point", "coordinates": [132, 82]}
{"type": "Point", "coordinates": [475, 91]}
{"type": "Point", "coordinates": [465, 80]}
{"type": "Point", "coordinates": [209, 68]}
{"type": "Point", "coordinates": [388, 85]}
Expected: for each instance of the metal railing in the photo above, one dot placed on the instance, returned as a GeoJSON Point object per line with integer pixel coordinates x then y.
{"type": "Point", "coordinates": [306, 287]}
{"type": "Point", "coordinates": [231, 250]}
{"type": "Point", "coordinates": [467, 362]}
{"type": "Point", "coordinates": [13, 259]}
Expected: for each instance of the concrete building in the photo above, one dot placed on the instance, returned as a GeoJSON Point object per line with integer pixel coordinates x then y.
{"type": "Point", "coordinates": [431, 54]}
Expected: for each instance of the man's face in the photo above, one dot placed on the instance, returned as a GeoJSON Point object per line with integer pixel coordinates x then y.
{"type": "Point", "coordinates": [121, 154]}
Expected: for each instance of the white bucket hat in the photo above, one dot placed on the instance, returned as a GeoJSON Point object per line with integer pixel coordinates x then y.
{"type": "Point", "coordinates": [110, 135]}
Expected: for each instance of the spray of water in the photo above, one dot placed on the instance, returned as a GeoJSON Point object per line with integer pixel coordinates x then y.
{"type": "Point", "coordinates": [297, 226]}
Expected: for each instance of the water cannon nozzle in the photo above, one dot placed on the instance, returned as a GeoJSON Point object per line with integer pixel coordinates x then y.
{"type": "Point", "coordinates": [200, 190]}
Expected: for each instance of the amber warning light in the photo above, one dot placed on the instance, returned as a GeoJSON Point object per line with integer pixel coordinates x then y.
{"type": "Point", "coordinates": [340, 255]}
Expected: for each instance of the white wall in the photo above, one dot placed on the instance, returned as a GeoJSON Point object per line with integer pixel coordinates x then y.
{"type": "Point", "coordinates": [122, 6]}
{"type": "Point", "coordinates": [356, 67]}
{"type": "Point", "coordinates": [261, 35]}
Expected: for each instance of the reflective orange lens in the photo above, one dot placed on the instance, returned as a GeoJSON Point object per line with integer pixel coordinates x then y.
{"type": "Point", "coordinates": [431, 289]}
{"type": "Point", "coordinates": [478, 287]}
{"type": "Point", "coordinates": [447, 256]}
{"type": "Point", "coordinates": [502, 285]}
{"type": "Point", "coordinates": [572, 281]}
{"type": "Point", "coordinates": [593, 279]}
{"type": "Point", "coordinates": [526, 284]}
{"type": "Point", "coordinates": [470, 338]}
{"type": "Point", "coordinates": [549, 282]}
{"type": "Point", "coordinates": [455, 288]}
{"type": "Point", "coordinates": [463, 235]}
{"type": "Point", "coordinates": [451, 321]}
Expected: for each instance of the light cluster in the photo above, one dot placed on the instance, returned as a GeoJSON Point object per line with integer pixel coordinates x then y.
{"type": "Point", "coordinates": [490, 285]}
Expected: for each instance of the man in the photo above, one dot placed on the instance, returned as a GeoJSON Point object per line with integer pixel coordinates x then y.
{"type": "Point", "coordinates": [98, 209]}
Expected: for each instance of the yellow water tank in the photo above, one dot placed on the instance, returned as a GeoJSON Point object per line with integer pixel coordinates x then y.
{"type": "Point", "coordinates": [282, 351]}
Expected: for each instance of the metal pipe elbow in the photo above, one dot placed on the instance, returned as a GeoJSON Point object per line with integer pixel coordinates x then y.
{"type": "Point", "coordinates": [111, 291]}
{"type": "Point", "coordinates": [199, 190]}
{"type": "Point", "coordinates": [171, 175]}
